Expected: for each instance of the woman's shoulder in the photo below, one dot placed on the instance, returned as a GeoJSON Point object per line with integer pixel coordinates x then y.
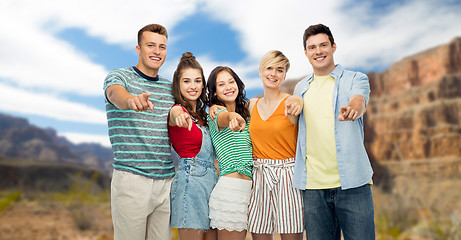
{"type": "Point", "coordinates": [251, 103]}
{"type": "Point", "coordinates": [178, 107]}
{"type": "Point", "coordinates": [284, 95]}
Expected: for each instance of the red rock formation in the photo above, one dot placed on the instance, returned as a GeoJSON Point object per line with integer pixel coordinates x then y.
{"type": "Point", "coordinates": [418, 70]}
{"type": "Point", "coordinates": [414, 113]}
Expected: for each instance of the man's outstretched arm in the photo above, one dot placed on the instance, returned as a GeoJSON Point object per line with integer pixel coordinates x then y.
{"type": "Point", "coordinates": [123, 100]}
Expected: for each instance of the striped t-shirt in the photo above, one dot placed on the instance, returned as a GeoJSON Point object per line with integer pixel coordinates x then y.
{"type": "Point", "coordinates": [234, 150]}
{"type": "Point", "coordinates": [140, 139]}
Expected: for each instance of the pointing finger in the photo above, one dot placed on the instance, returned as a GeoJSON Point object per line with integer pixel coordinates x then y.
{"type": "Point", "coordinates": [189, 123]}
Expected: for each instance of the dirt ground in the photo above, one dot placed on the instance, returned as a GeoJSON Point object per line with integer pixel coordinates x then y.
{"type": "Point", "coordinates": [418, 207]}
{"type": "Point", "coordinates": [22, 221]}
{"type": "Point", "coordinates": [27, 221]}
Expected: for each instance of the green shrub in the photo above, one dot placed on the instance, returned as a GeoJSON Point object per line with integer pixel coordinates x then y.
{"type": "Point", "coordinates": [9, 199]}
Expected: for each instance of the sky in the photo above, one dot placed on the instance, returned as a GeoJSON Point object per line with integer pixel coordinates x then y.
{"type": "Point", "coordinates": [55, 54]}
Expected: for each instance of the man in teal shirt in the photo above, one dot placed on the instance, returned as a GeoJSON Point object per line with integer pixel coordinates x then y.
{"type": "Point", "coordinates": [332, 167]}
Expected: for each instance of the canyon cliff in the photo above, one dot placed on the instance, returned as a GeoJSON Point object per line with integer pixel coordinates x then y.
{"type": "Point", "coordinates": [414, 111]}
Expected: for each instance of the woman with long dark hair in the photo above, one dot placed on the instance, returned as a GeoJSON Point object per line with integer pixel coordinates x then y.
{"type": "Point", "coordinates": [196, 174]}
{"type": "Point", "coordinates": [231, 139]}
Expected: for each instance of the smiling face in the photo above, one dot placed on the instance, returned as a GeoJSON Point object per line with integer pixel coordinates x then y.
{"type": "Point", "coordinates": [272, 76]}
{"type": "Point", "coordinates": [152, 53]}
{"type": "Point", "coordinates": [319, 51]}
{"type": "Point", "coordinates": [191, 85]}
{"type": "Point", "coordinates": [226, 88]}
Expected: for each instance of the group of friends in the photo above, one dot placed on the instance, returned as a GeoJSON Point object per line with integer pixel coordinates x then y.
{"type": "Point", "coordinates": [287, 163]}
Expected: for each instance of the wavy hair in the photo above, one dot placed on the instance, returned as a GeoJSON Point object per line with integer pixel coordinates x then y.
{"type": "Point", "coordinates": [240, 101]}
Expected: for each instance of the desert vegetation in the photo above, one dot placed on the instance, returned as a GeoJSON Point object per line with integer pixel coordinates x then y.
{"type": "Point", "coordinates": [81, 212]}
{"type": "Point", "coordinates": [417, 207]}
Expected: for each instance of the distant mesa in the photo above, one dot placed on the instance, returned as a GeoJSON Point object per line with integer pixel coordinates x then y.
{"type": "Point", "coordinates": [20, 139]}
{"type": "Point", "coordinates": [414, 112]}
{"type": "Point", "coordinates": [38, 158]}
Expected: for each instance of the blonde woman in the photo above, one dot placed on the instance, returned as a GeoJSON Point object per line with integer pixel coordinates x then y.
{"type": "Point", "coordinates": [275, 206]}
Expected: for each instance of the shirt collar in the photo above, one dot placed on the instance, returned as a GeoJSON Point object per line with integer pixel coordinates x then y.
{"type": "Point", "coordinates": [145, 76]}
{"type": "Point", "coordinates": [336, 73]}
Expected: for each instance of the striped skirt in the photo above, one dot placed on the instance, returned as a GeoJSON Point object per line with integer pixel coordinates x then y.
{"type": "Point", "coordinates": [275, 206]}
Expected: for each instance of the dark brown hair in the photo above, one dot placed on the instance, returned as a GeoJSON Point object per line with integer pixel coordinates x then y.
{"type": "Point", "coordinates": [240, 101]}
{"type": "Point", "coordinates": [156, 28]}
{"type": "Point", "coordinates": [188, 61]}
{"type": "Point", "coordinates": [317, 29]}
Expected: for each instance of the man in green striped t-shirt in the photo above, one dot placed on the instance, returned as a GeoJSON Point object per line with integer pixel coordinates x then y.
{"type": "Point", "coordinates": [137, 105]}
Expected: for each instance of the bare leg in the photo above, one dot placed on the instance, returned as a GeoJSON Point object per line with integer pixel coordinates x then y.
{"type": "Point", "coordinates": [257, 236]}
{"type": "Point", "coordinates": [191, 234]}
{"type": "Point", "coordinates": [231, 235]}
{"type": "Point", "coordinates": [211, 234]}
{"type": "Point", "coordinates": [291, 236]}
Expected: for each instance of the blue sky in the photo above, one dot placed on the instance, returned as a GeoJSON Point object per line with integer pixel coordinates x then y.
{"type": "Point", "coordinates": [54, 55]}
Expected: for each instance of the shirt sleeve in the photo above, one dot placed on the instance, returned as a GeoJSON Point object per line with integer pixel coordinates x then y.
{"type": "Point", "coordinates": [361, 86]}
{"type": "Point", "coordinates": [212, 124]}
{"type": "Point", "coordinates": [113, 78]}
{"type": "Point", "coordinates": [215, 121]}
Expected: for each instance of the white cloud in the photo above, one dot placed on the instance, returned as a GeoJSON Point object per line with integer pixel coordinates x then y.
{"type": "Point", "coordinates": [268, 25]}
{"type": "Point", "coordinates": [23, 101]}
{"type": "Point", "coordinates": [405, 30]}
{"type": "Point", "coordinates": [365, 39]}
{"type": "Point", "coordinates": [42, 69]}
{"type": "Point", "coordinates": [33, 58]}
{"type": "Point", "coordinates": [115, 21]}
{"type": "Point", "coordinates": [28, 44]}
{"type": "Point", "coordinates": [77, 138]}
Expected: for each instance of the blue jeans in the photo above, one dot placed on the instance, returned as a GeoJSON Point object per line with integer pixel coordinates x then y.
{"type": "Point", "coordinates": [328, 211]}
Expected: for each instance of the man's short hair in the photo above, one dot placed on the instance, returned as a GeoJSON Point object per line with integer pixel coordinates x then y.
{"type": "Point", "coordinates": [317, 29]}
{"type": "Point", "coordinates": [156, 28]}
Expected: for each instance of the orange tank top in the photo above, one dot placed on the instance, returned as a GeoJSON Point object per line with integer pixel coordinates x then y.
{"type": "Point", "coordinates": [274, 138]}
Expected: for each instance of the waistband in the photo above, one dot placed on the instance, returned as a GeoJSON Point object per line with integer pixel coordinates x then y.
{"type": "Point", "coordinates": [276, 163]}
{"type": "Point", "coordinates": [236, 184]}
{"type": "Point", "coordinates": [269, 168]}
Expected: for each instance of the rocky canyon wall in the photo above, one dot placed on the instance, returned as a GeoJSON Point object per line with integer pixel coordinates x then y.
{"type": "Point", "coordinates": [414, 110]}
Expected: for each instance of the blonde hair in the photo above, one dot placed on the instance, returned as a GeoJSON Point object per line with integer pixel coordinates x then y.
{"type": "Point", "coordinates": [274, 58]}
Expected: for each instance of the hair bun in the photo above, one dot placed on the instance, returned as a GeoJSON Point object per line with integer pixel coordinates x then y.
{"type": "Point", "coordinates": [187, 56]}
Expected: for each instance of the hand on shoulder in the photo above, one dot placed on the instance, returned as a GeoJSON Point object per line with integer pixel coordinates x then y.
{"type": "Point", "coordinates": [213, 111]}
{"type": "Point", "coordinates": [293, 105]}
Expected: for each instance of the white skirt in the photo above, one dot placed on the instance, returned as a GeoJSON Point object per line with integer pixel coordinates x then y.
{"type": "Point", "coordinates": [229, 204]}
